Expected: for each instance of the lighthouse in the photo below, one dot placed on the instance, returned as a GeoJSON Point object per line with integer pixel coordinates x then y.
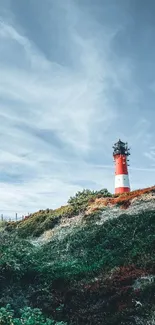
{"type": "Point", "coordinates": [120, 154]}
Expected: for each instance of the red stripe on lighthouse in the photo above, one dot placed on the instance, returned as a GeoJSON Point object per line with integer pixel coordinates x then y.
{"type": "Point", "coordinates": [120, 165]}
{"type": "Point", "coordinates": [119, 190]}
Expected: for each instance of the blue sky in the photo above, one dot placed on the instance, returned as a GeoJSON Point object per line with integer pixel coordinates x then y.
{"type": "Point", "coordinates": [75, 75]}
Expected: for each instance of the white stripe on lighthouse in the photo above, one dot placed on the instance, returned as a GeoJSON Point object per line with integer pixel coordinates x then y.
{"type": "Point", "coordinates": [122, 180]}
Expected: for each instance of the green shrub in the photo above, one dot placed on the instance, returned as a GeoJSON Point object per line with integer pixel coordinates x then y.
{"type": "Point", "coordinates": [16, 257]}
{"type": "Point", "coordinates": [81, 199]}
{"type": "Point", "coordinates": [28, 316]}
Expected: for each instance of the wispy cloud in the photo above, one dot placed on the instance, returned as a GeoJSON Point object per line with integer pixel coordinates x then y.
{"type": "Point", "coordinates": [61, 111]}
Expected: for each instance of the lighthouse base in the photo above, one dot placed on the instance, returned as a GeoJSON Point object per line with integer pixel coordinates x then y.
{"type": "Point", "coordinates": [122, 183]}
{"type": "Point", "coordinates": [120, 190]}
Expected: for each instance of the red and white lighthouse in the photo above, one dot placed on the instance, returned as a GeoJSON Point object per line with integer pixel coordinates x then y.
{"type": "Point", "coordinates": [120, 154]}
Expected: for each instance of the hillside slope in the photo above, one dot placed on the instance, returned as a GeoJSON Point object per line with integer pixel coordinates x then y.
{"type": "Point", "coordinates": [94, 264]}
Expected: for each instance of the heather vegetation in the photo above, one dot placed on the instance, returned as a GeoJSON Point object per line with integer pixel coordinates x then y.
{"type": "Point", "coordinates": [94, 274]}
{"type": "Point", "coordinates": [41, 221]}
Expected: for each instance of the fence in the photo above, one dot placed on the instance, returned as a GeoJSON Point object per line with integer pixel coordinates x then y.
{"type": "Point", "coordinates": [15, 218]}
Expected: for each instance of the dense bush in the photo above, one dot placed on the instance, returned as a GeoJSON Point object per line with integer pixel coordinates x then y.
{"type": "Point", "coordinates": [16, 258]}
{"type": "Point", "coordinates": [28, 316]}
{"type": "Point", "coordinates": [81, 199]}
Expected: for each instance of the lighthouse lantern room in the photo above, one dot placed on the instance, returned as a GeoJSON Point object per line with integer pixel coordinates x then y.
{"type": "Point", "coordinates": [120, 154]}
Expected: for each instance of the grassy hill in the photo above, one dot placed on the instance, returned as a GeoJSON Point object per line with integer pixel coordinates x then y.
{"type": "Point", "coordinates": [90, 262]}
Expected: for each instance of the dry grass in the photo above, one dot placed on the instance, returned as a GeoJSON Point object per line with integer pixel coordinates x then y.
{"type": "Point", "coordinates": [123, 200]}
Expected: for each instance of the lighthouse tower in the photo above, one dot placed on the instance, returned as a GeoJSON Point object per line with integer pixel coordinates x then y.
{"type": "Point", "coordinates": [120, 154]}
